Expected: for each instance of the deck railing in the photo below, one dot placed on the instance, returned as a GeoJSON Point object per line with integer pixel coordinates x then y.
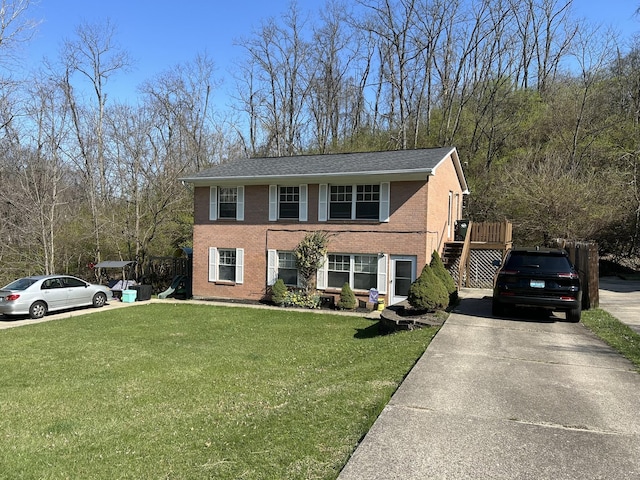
{"type": "Point", "coordinates": [498, 232]}
{"type": "Point", "coordinates": [483, 236]}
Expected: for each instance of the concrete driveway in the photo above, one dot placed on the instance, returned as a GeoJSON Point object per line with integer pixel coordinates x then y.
{"type": "Point", "coordinates": [18, 321]}
{"type": "Point", "coordinates": [508, 398]}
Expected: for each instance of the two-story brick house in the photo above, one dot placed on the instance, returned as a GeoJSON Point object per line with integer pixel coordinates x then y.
{"type": "Point", "coordinates": [385, 212]}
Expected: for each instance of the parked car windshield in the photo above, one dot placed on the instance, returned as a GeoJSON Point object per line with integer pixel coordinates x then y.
{"type": "Point", "coordinates": [535, 261]}
{"type": "Point", "coordinates": [20, 284]}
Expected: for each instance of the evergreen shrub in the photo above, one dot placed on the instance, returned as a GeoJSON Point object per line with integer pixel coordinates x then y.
{"type": "Point", "coordinates": [348, 299]}
{"type": "Point", "coordinates": [278, 292]}
{"type": "Point", "coordinates": [428, 292]}
{"type": "Point", "coordinates": [443, 274]}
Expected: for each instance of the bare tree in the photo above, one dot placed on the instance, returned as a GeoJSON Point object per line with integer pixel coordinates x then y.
{"type": "Point", "coordinates": [278, 60]}
{"type": "Point", "coordinates": [94, 56]}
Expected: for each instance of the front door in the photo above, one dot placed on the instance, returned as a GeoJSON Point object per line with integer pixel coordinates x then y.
{"type": "Point", "coordinates": [402, 275]}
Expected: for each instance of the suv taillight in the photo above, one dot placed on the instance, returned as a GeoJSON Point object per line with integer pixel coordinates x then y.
{"type": "Point", "coordinates": [568, 275]}
{"type": "Point", "coordinates": [12, 297]}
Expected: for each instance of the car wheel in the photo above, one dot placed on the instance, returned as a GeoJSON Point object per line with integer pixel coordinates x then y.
{"type": "Point", "coordinates": [37, 310]}
{"type": "Point", "coordinates": [573, 315]}
{"type": "Point", "coordinates": [99, 299]}
{"type": "Point", "coordinates": [497, 309]}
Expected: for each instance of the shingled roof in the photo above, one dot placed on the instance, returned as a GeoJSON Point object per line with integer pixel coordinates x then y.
{"type": "Point", "coordinates": [389, 164]}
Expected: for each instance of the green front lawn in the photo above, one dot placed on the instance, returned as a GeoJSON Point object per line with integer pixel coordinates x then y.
{"type": "Point", "coordinates": [194, 391]}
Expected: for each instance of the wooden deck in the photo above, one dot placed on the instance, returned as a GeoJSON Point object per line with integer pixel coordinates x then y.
{"type": "Point", "coordinates": [480, 236]}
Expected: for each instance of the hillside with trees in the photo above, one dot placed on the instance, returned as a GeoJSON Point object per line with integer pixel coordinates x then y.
{"type": "Point", "coordinates": [543, 108]}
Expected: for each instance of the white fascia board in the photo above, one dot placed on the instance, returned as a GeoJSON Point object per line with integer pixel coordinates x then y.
{"type": "Point", "coordinates": [342, 177]}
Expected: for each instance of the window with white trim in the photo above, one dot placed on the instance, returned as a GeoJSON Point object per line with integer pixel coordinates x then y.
{"type": "Point", "coordinates": [356, 202]}
{"type": "Point", "coordinates": [289, 202]}
{"type": "Point", "coordinates": [226, 265]}
{"type": "Point", "coordinates": [287, 269]}
{"type": "Point", "coordinates": [226, 203]}
{"type": "Point", "coordinates": [359, 271]}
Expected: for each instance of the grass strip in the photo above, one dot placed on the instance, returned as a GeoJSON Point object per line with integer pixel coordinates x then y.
{"type": "Point", "coordinates": [195, 391]}
{"type": "Point", "coordinates": [615, 333]}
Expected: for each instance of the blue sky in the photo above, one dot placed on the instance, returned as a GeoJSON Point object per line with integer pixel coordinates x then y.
{"type": "Point", "coordinates": [162, 33]}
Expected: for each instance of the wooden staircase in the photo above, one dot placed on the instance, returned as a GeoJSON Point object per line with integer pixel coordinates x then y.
{"type": "Point", "coordinates": [452, 251]}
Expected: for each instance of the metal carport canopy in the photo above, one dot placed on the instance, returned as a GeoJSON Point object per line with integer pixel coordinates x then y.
{"type": "Point", "coordinates": [114, 264]}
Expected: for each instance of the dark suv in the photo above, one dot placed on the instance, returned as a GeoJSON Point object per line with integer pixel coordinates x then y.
{"type": "Point", "coordinates": [537, 277]}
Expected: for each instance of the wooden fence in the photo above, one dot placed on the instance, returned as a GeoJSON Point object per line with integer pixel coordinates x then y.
{"type": "Point", "coordinates": [584, 256]}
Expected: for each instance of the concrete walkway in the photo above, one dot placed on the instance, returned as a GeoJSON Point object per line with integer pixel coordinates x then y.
{"type": "Point", "coordinates": [508, 398]}
{"type": "Point", "coordinates": [621, 298]}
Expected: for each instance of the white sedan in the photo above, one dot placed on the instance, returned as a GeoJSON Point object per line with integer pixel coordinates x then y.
{"type": "Point", "coordinates": [37, 295]}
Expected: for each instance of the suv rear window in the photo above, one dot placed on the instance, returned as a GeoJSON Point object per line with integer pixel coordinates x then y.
{"type": "Point", "coordinates": [536, 261]}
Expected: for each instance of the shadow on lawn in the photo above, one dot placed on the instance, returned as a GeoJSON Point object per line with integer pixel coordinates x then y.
{"type": "Point", "coordinates": [371, 331]}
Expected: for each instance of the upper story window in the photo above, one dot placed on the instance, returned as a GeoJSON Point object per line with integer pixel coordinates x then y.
{"type": "Point", "coordinates": [364, 205]}
{"type": "Point", "coordinates": [354, 202]}
{"type": "Point", "coordinates": [288, 202]}
{"type": "Point", "coordinates": [226, 203]}
{"type": "Point", "coordinates": [367, 203]}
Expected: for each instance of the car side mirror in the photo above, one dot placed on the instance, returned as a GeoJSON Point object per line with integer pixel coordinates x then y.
{"type": "Point", "coordinates": [496, 263]}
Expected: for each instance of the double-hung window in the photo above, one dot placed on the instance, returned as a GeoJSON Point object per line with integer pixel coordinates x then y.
{"type": "Point", "coordinates": [287, 269]}
{"type": "Point", "coordinates": [359, 271]}
{"type": "Point", "coordinates": [340, 202]}
{"type": "Point", "coordinates": [226, 203]}
{"type": "Point", "coordinates": [367, 204]}
{"type": "Point", "coordinates": [289, 202]}
{"type": "Point", "coordinates": [365, 272]}
{"type": "Point", "coordinates": [338, 270]}
{"type": "Point", "coordinates": [226, 265]}
{"type": "Point", "coordinates": [282, 265]}
{"type": "Point", "coordinates": [354, 202]}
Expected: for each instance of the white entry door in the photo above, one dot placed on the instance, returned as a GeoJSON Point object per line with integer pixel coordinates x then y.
{"type": "Point", "coordinates": [403, 273]}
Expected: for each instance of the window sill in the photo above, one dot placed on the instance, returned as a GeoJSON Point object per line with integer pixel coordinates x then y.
{"type": "Point", "coordinates": [354, 220]}
{"type": "Point", "coordinates": [224, 282]}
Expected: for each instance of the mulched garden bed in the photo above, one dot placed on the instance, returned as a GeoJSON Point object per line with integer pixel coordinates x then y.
{"type": "Point", "coordinates": [403, 317]}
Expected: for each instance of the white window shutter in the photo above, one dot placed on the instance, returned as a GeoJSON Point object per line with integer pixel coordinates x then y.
{"type": "Point", "coordinates": [213, 264]}
{"type": "Point", "coordinates": [213, 203]}
{"type": "Point", "coordinates": [382, 274]}
{"type": "Point", "coordinates": [273, 203]}
{"type": "Point", "coordinates": [272, 267]}
{"type": "Point", "coordinates": [384, 201]}
{"type": "Point", "coordinates": [322, 274]}
{"type": "Point", "coordinates": [240, 205]}
{"type": "Point", "coordinates": [239, 265]}
{"type": "Point", "coordinates": [302, 214]}
{"type": "Point", "coordinates": [322, 202]}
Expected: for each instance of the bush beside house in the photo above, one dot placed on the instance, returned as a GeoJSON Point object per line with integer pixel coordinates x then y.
{"type": "Point", "coordinates": [348, 299]}
{"type": "Point", "coordinates": [279, 292]}
{"type": "Point", "coordinates": [443, 274]}
{"type": "Point", "coordinates": [428, 292]}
